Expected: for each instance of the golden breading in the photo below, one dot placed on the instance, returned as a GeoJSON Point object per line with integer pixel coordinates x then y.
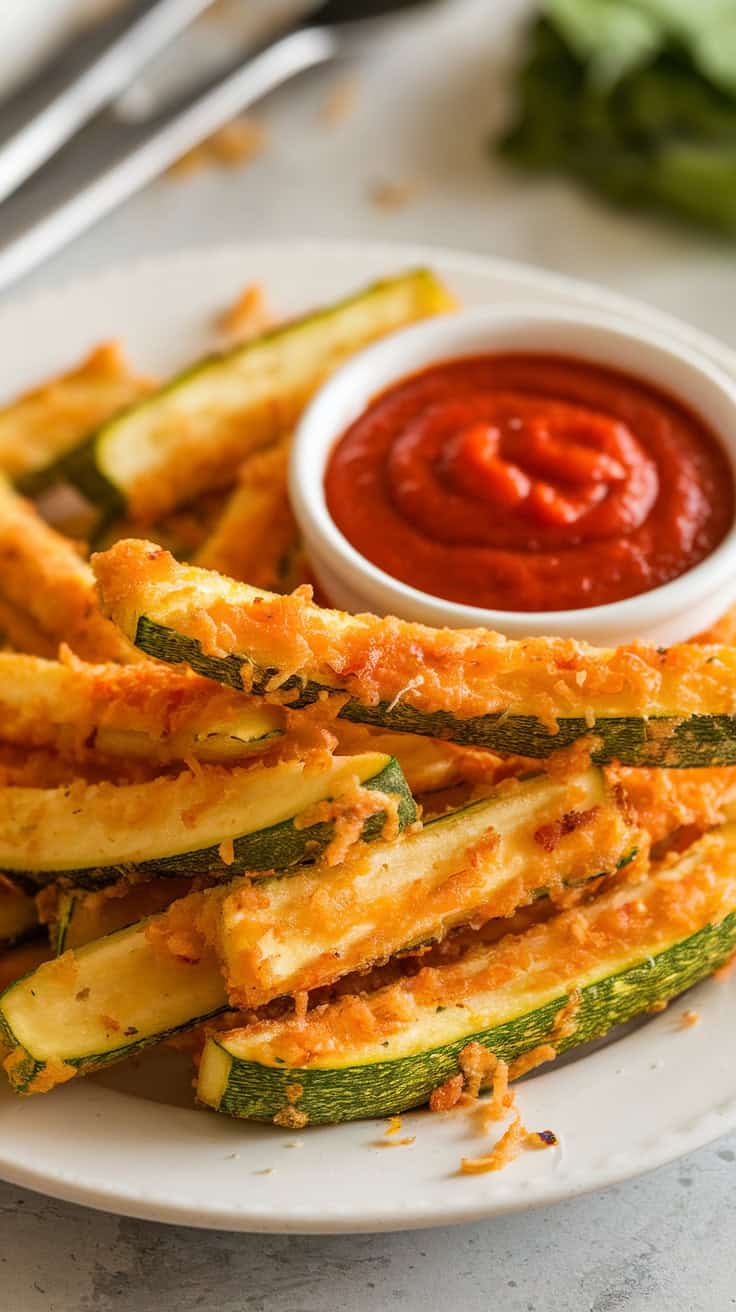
{"type": "Point", "coordinates": [50, 586]}
{"type": "Point", "coordinates": [256, 538]}
{"type": "Point", "coordinates": [44, 422]}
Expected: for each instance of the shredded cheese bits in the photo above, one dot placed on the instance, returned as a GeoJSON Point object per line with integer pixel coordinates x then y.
{"type": "Point", "coordinates": [392, 1130]}
{"type": "Point", "coordinates": [226, 851]}
{"type": "Point", "coordinates": [447, 1095]}
{"type": "Point", "coordinates": [340, 101]}
{"type": "Point", "coordinates": [505, 1151]}
{"type": "Point", "coordinates": [348, 813]}
{"type": "Point", "coordinates": [248, 316]}
{"type": "Point", "coordinates": [234, 144]}
{"type": "Point", "coordinates": [291, 1117]}
{"type": "Point", "coordinates": [395, 194]}
{"type": "Point", "coordinates": [477, 1064]}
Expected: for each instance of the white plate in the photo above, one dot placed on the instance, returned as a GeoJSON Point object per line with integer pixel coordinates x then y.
{"type": "Point", "coordinates": [129, 1141]}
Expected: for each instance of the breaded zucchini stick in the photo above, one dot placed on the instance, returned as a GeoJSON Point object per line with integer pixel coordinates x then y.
{"type": "Point", "coordinates": [256, 538]}
{"type": "Point", "coordinates": [45, 421]}
{"type": "Point", "coordinates": [640, 705]}
{"type": "Point", "coordinates": [44, 579]}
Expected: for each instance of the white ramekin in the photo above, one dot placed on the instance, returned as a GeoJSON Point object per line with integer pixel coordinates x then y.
{"type": "Point", "coordinates": [667, 614]}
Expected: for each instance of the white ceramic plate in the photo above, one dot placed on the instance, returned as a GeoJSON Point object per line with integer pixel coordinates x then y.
{"type": "Point", "coordinates": [129, 1141]}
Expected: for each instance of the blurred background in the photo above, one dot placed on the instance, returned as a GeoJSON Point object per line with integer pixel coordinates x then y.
{"type": "Point", "coordinates": [593, 137]}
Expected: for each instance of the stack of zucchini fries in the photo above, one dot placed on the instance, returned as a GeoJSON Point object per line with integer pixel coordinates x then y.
{"type": "Point", "coordinates": [359, 862]}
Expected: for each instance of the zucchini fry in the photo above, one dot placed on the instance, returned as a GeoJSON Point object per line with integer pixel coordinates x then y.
{"type": "Point", "coordinates": [256, 538]}
{"type": "Point", "coordinates": [216, 821]}
{"type": "Point", "coordinates": [75, 916]}
{"type": "Point", "coordinates": [137, 986]}
{"type": "Point", "coordinates": [18, 632]}
{"type": "Point", "coordinates": [133, 712]}
{"type": "Point", "coordinates": [100, 1003]}
{"type": "Point", "coordinates": [640, 705]}
{"type": "Point", "coordinates": [560, 983]}
{"type": "Point", "coordinates": [45, 580]}
{"type": "Point", "coordinates": [289, 936]}
{"type": "Point", "coordinates": [46, 421]}
{"type": "Point", "coordinates": [194, 432]}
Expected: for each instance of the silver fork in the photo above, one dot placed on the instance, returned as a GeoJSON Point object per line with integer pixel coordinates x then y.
{"type": "Point", "coordinates": [65, 197]}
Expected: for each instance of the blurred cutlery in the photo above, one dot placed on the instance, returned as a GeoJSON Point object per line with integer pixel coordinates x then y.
{"type": "Point", "coordinates": [93, 68]}
{"type": "Point", "coordinates": [115, 155]}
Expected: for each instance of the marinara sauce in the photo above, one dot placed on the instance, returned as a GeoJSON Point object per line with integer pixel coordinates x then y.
{"type": "Point", "coordinates": [530, 483]}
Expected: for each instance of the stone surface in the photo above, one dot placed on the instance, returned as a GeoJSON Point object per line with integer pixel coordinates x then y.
{"type": "Point", "coordinates": [661, 1242]}
{"type": "Point", "coordinates": [427, 97]}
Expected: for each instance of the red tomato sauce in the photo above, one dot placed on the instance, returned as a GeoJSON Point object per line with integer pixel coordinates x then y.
{"type": "Point", "coordinates": [530, 483]}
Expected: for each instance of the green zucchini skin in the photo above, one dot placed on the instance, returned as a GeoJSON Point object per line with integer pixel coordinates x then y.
{"type": "Point", "coordinates": [102, 962]}
{"type": "Point", "coordinates": [123, 974]}
{"type": "Point", "coordinates": [276, 848]}
{"type": "Point", "coordinates": [29, 1068]}
{"type": "Point", "coordinates": [257, 1092]}
{"type": "Point", "coordinates": [65, 914]}
{"type": "Point", "coordinates": [696, 741]}
{"type": "Point", "coordinates": [79, 468]}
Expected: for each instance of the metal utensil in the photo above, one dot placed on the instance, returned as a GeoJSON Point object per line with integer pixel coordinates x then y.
{"type": "Point", "coordinates": [70, 193]}
{"type": "Point", "coordinates": [92, 69]}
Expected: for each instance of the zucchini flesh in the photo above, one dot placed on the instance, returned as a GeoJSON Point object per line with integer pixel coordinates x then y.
{"type": "Point", "coordinates": [104, 963]}
{"type": "Point", "coordinates": [638, 705]}
{"type": "Point", "coordinates": [101, 1003]}
{"type": "Point", "coordinates": [18, 917]}
{"type": "Point", "coordinates": [193, 432]}
{"type": "Point", "coordinates": [283, 936]}
{"type": "Point", "coordinates": [128, 711]}
{"type": "Point", "coordinates": [637, 945]}
{"type": "Point", "coordinates": [98, 833]}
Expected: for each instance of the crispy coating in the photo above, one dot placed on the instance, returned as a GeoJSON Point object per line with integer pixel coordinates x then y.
{"type": "Point", "coordinates": [255, 538]}
{"type": "Point", "coordinates": [44, 578]}
{"type": "Point", "coordinates": [87, 713]}
{"type": "Point", "coordinates": [463, 671]}
{"type": "Point", "coordinates": [46, 421]}
{"type": "Point", "coordinates": [632, 917]}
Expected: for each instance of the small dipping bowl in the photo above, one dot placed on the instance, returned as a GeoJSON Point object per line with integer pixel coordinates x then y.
{"type": "Point", "coordinates": [670, 613]}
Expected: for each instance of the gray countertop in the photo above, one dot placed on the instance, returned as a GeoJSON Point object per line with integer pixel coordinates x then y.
{"type": "Point", "coordinates": [427, 98]}
{"type": "Point", "coordinates": [661, 1242]}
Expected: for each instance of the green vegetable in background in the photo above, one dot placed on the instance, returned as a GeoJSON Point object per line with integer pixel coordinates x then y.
{"type": "Point", "coordinates": [637, 98]}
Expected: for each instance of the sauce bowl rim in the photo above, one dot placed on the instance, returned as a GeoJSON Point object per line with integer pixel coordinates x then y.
{"type": "Point", "coordinates": [670, 612]}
